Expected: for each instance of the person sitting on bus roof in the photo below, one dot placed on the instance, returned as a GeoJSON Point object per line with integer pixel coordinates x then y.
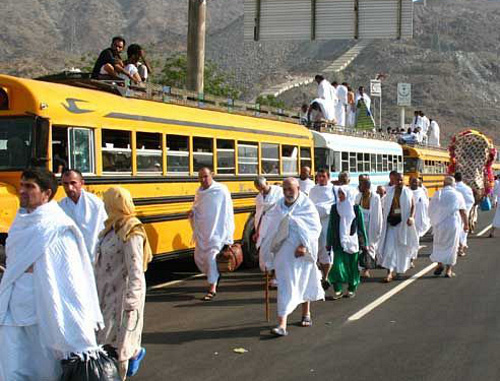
{"type": "Point", "coordinates": [132, 64]}
{"type": "Point", "coordinates": [109, 64]}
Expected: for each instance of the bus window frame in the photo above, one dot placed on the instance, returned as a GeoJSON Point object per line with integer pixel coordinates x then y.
{"type": "Point", "coordinates": [266, 159]}
{"type": "Point", "coordinates": [130, 148]}
{"type": "Point", "coordinates": [149, 173]}
{"type": "Point", "coordinates": [247, 143]}
{"type": "Point", "coordinates": [211, 154]}
{"type": "Point", "coordinates": [233, 150]}
{"type": "Point", "coordinates": [189, 172]}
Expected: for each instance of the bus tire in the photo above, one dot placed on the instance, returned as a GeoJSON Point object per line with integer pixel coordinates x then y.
{"type": "Point", "coordinates": [250, 253]}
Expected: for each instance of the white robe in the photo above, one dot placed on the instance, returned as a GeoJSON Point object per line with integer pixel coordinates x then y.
{"type": "Point", "coordinates": [417, 122]}
{"type": "Point", "coordinates": [323, 198]}
{"type": "Point", "coordinates": [434, 134]}
{"type": "Point", "coordinates": [53, 311]}
{"type": "Point", "coordinates": [422, 222]}
{"type": "Point", "coordinates": [340, 108]}
{"type": "Point", "coordinates": [446, 224]}
{"type": "Point", "coordinates": [397, 243]}
{"type": "Point", "coordinates": [89, 215]}
{"type": "Point", "coordinates": [496, 199]}
{"type": "Point", "coordinates": [470, 200]}
{"type": "Point", "coordinates": [327, 109]}
{"type": "Point", "coordinates": [299, 279]}
{"type": "Point", "coordinates": [306, 185]}
{"type": "Point", "coordinates": [262, 205]}
{"type": "Point", "coordinates": [373, 219]}
{"type": "Point", "coordinates": [425, 125]}
{"type": "Point", "coordinates": [213, 227]}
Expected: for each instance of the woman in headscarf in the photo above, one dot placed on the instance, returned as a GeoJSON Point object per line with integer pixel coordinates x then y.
{"type": "Point", "coordinates": [122, 258]}
{"type": "Point", "coordinates": [346, 233]}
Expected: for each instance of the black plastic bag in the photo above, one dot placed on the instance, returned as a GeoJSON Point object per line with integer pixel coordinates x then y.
{"type": "Point", "coordinates": [366, 261]}
{"type": "Point", "coordinates": [99, 367]}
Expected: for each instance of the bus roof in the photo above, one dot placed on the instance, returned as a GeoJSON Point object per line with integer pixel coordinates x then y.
{"type": "Point", "coordinates": [340, 142]}
{"type": "Point", "coordinates": [426, 152]}
{"type": "Point", "coordinates": [73, 105]}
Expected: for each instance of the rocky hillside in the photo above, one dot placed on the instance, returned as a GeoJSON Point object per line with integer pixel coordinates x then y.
{"type": "Point", "coordinates": [452, 62]}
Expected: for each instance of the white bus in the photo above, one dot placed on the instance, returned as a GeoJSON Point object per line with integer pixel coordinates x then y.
{"type": "Point", "coordinates": [357, 155]}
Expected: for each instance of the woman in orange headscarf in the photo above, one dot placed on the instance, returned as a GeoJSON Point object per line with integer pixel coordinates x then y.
{"type": "Point", "coordinates": [122, 258]}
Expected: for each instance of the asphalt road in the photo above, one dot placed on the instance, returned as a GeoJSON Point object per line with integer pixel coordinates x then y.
{"type": "Point", "coordinates": [434, 329]}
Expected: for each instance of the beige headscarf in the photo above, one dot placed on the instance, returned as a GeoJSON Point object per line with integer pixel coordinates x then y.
{"type": "Point", "coordinates": [121, 217]}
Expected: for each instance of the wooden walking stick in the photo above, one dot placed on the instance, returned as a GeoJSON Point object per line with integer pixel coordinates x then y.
{"type": "Point", "coordinates": [267, 296]}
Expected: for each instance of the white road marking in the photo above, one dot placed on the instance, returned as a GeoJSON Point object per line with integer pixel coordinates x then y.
{"type": "Point", "coordinates": [484, 230]}
{"type": "Point", "coordinates": [370, 307]}
{"type": "Point", "coordinates": [174, 282]}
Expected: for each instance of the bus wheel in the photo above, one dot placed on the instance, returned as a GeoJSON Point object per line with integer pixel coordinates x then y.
{"type": "Point", "coordinates": [250, 253]}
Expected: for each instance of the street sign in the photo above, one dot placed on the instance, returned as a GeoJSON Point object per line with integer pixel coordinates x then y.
{"type": "Point", "coordinates": [375, 88]}
{"type": "Point", "coordinates": [404, 94]}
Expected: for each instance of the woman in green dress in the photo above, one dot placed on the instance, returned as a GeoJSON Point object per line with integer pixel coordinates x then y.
{"type": "Point", "coordinates": [346, 236]}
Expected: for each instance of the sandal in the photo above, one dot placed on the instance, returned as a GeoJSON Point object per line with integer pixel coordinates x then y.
{"type": "Point", "coordinates": [337, 295]}
{"type": "Point", "coordinates": [450, 275]}
{"type": "Point", "coordinates": [306, 321]}
{"type": "Point", "coordinates": [135, 362]}
{"type": "Point", "coordinates": [388, 279]}
{"type": "Point", "coordinates": [279, 332]}
{"type": "Point", "coordinates": [209, 296]}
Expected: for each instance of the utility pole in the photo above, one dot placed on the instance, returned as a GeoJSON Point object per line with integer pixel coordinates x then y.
{"type": "Point", "coordinates": [196, 44]}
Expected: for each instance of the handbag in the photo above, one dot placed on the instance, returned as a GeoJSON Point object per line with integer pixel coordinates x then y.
{"type": "Point", "coordinates": [366, 261]}
{"type": "Point", "coordinates": [89, 367]}
{"type": "Point", "coordinates": [229, 258]}
{"type": "Point", "coordinates": [486, 204]}
{"type": "Point", "coordinates": [394, 219]}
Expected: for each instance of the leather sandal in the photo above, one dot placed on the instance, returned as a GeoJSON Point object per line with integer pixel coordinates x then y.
{"type": "Point", "coordinates": [306, 321]}
{"type": "Point", "coordinates": [209, 296]}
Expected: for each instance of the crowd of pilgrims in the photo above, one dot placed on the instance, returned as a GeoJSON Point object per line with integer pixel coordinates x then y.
{"type": "Point", "coordinates": [74, 285]}
{"type": "Point", "coordinates": [345, 108]}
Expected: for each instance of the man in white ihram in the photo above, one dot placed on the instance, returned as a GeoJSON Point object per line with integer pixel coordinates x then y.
{"type": "Point", "coordinates": [448, 215]}
{"type": "Point", "coordinates": [422, 222]}
{"type": "Point", "coordinates": [291, 249]}
{"type": "Point", "coordinates": [265, 200]}
{"type": "Point", "coordinates": [323, 197]}
{"type": "Point", "coordinates": [212, 220]}
{"type": "Point", "coordinates": [86, 209]}
{"type": "Point", "coordinates": [49, 307]}
{"type": "Point", "coordinates": [434, 134]}
{"type": "Point", "coordinates": [305, 182]}
{"type": "Point", "coordinates": [469, 199]}
{"type": "Point", "coordinates": [399, 236]}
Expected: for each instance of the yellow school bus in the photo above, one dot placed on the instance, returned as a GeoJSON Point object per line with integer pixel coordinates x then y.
{"type": "Point", "coordinates": [428, 163]}
{"type": "Point", "coordinates": [153, 149]}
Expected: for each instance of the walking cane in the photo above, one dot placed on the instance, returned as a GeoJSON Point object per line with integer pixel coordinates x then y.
{"type": "Point", "coordinates": [267, 296]}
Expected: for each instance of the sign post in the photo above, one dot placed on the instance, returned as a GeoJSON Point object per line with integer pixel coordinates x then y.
{"type": "Point", "coordinates": [376, 91]}
{"type": "Point", "coordinates": [404, 99]}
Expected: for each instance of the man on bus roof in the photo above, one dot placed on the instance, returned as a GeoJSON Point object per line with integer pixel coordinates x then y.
{"type": "Point", "coordinates": [109, 64]}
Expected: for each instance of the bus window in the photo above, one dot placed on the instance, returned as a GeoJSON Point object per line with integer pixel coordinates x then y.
{"type": "Point", "coordinates": [384, 163]}
{"type": "Point", "coordinates": [379, 163]}
{"type": "Point", "coordinates": [305, 157]}
{"type": "Point", "coordinates": [177, 155]}
{"type": "Point", "coordinates": [289, 157]}
{"type": "Point", "coordinates": [373, 163]}
{"type": "Point", "coordinates": [335, 167]}
{"type": "Point", "coordinates": [270, 159]}
{"type": "Point", "coordinates": [116, 152]}
{"type": "Point", "coordinates": [400, 164]}
{"type": "Point", "coordinates": [225, 157]}
{"type": "Point", "coordinates": [389, 163]}
{"type": "Point", "coordinates": [248, 160]}
{"type": "Point", "coordinates": [16, 135]}
{"type": "Point", "coordinates": [321, 158]}
{"type": "Point", "coordinates": [360, 165]}
{"type": "Point", "coordinates": [60, 157]}
{"type": "Point", "coordinates": [345, 162]}
{"type": "Point", "coordinates": [366, 162]}
{"type": "Point", "coordinates": [149, 153]}
{"type": "Point", "coordinates": [413, 165]}
{"type": "Point", "coordinates": [203, 154]}
{"type": "Point", "coordinates": [352, 162]}
{"type": "Point", "coordinates": [81, 148]}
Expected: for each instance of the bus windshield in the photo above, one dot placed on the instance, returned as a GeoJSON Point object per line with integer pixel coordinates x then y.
{"type": "Point", "coordinates": [413, 164]}
{"type": "Point", "coordinates": [16, 138]}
